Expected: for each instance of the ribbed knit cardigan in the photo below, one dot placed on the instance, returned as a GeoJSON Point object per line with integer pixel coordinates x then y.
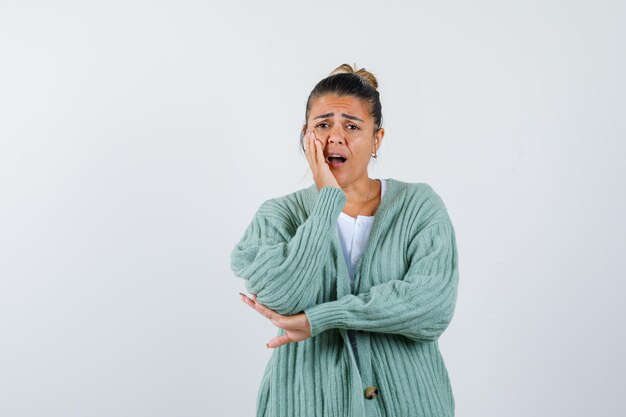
{"type": "Point", "coordinates": [405, 290]}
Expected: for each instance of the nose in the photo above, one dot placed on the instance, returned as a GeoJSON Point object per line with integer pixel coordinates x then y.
{"type": "Point", "coordinates": [336, 135]}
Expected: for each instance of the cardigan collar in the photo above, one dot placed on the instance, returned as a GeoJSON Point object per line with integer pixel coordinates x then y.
{"type": "Point", "coordinates": [394, 187]}
{"type": "Point", "coordinates": [394, 190]}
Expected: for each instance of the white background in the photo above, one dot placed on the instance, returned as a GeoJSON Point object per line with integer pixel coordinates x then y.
{"type": "Point", "coordinates": [137, 139]}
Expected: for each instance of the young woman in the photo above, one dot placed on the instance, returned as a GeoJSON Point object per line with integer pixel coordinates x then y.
{"type": "Point", "coordinates": [359, 275]}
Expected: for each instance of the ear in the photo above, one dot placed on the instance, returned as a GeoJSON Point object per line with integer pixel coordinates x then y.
{"type": "Point", "coordinates": [378, 138]}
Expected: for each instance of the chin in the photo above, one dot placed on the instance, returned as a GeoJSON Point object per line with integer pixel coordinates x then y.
{"type": "Point", "coordinates": [342, 180]}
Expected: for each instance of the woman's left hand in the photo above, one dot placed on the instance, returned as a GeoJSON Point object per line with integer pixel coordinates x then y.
{"type": "Point", "coordinates": [296, 327]}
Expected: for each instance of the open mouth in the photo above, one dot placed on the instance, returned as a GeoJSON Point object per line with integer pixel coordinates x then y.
{"type": "Point", "coordinates": [336, 160]}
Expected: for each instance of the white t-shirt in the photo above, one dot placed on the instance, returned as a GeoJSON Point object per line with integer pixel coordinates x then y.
{"type": "Point", "coordinates": [354, 233]}
{"type": "Point", "coordinates": [353, 236]}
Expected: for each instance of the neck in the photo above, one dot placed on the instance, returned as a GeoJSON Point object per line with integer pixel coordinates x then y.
{"type": "Point", "coordinates": [356, 192]}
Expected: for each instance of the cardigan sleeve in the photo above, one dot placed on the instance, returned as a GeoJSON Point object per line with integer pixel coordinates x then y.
{"type": "Point", "coordinates": [419, 306]}
{"type": "Point", "coordinates": [280, 261]}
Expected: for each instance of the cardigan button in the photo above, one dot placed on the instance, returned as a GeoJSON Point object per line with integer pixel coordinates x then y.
{"type": "Point", "coordinates": [371, 392]}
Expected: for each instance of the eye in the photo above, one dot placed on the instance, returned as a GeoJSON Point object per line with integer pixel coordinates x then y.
{"type": "Point", "coordinates": [320, 124]}
{"type": "Point", "coordinates": [354, 126]}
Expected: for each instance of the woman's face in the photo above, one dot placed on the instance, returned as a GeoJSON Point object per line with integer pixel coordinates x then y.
{"type": "Point", "coordinates": [344, 126]}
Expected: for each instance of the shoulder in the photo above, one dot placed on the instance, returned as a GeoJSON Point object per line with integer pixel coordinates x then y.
{"type": "Point", "coordinates": [288, 207]}
{"type": "Point", "coordinates": [420, 199]}
{"type": "Point", "coordinates": [278, 216]}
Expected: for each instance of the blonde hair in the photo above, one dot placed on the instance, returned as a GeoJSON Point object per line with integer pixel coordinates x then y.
{"type": "Point", "coordinates": [363, 73]}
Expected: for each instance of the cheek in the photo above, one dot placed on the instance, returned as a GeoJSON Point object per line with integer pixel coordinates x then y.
{"type": "Point", "coordinates": [362, 147]}
{"type": "Point", "coordinates": [360, 156]}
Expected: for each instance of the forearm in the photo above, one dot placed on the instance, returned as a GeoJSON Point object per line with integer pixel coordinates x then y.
{"type": "Point", "coordinates": [284, 272]}
{"type": "Point", "coordinates": [420, 306]}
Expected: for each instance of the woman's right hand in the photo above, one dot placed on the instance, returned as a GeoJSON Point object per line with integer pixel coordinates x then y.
{"type": "Point", "coordinates": [319, 167]}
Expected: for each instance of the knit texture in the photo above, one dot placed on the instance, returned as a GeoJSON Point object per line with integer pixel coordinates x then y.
{"type": "Point", "coordinates": [405, 290]}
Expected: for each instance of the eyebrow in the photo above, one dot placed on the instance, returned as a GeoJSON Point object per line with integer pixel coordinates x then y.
{"type": "Point", "coordinates": [347, 116]}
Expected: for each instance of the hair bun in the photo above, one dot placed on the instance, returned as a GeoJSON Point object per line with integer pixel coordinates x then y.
{"type": "Point", "coordinates": [365, 75]}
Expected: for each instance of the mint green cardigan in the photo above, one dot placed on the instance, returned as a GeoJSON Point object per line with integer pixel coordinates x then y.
{"type": "Point", "coordinates": [405, 290]}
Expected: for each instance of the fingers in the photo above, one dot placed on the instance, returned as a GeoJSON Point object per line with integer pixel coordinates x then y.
{"type": "Point", "coordinates": [297, 323]}
{"type": "Point", "coordinates": [279, 341]}
{"type": "Point", "coordinates": [310, 151]}
{"type": "Point", "coordinates": [267, 312]}
{"type": "Point", "coordinates": [319, 167]}
{"type": "Point", "coordinates": [247, 300]}
{"type": "Point", "coordinates": [319, 152]}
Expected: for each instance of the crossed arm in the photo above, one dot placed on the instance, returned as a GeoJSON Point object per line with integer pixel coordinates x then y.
{"type": "Point", "coordinates": [281, 269]}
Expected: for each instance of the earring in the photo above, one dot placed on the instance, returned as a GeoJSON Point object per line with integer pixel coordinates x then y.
{"type": "Point", "coordinates": [375, 154]}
